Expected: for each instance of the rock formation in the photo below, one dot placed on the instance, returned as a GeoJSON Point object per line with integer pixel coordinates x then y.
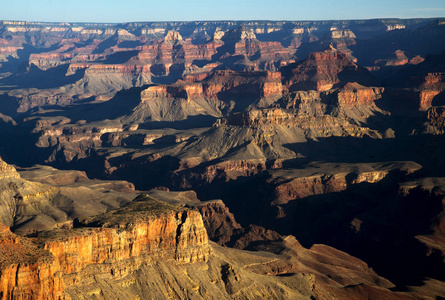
{"type": "Point", "coordinates": [29, 206]}
{"type": "Point", "coordinates": [144, 231]}
{"type": "Point", "coordinates": [112, 254]}
{"type": "Point", "coordinates": [323, 70]}
{"type": "Point", "coordinates": [328, 131]}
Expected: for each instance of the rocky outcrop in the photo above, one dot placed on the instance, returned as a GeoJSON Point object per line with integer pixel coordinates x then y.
{"type": "Point", "coordinates": [430, 90]}
{"type": "Point", "coordinates": [220, 223]}
{"type": "Point", "coordinates": [7, 171]}
{"type": "Point", "coordinates": [435, 123]}
{"type": "Point", "coordinates": [399, 59]}
{"type": "Point", "coordinates": [144, 230]}
{"type": "Point", "coordinates": [117, 244]}
{"type": "Point", "coordinates": [353, 94]}
{"type": "Point", "coordinates": [27, 271]}
{"type": "Point", "coordinates": [328, 178]}
{"type": "Point", "coordinates": [252, 84]}
{"type": "Point", "coordinates": [321, 71]}
{"type": "Point", "coordinates": [48, 197]}
{"type": "Point", "coordinates": [275, 116]}
{"type": "Point", "coordinates": [215, 95]}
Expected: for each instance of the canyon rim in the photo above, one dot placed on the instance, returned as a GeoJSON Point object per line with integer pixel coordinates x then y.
{"type": "Point", "coordinates": [222, 159]}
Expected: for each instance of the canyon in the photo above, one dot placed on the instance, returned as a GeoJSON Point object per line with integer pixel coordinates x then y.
{"type": "Point", "coordinates": [223, 160]}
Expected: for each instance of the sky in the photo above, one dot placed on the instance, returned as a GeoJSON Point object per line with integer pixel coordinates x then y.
{"type": "Point", "coordinates": [117, 11]}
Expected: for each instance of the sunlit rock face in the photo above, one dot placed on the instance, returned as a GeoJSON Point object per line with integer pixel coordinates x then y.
{"type": "Point", "coordinates": [118, 244]}
{"type": "Point", "coordinates": [294, 140]}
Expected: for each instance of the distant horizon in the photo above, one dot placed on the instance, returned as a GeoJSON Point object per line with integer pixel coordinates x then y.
{"type": "Point", "coordinates": [222, 20]}
{"type": "Point", "coordinates": [135, 11]}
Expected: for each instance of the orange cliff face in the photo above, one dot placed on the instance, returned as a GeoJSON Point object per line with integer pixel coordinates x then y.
{"type": "Point", "coordinates": [116, 243]}
{"type": "Point", "coordinates": [355, 94]}
{"type": "Point", "coordinates": [433, 85]}
{"type": "Point", "coordinates": [26, 270]}
{"type": "Point", "coordinates": [261, 84]}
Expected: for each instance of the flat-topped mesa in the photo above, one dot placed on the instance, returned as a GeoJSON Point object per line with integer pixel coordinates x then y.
{"type": "Point", "coordinates": [341, 34]}
{"type": "Point", "coordinates": [124, 35]}
{"type": "Point", "coordinates": [324, 179]}
{"type": "Point", "coordinates": [257, 84]}
{"type": "Point", "coordinates": [353, 94]}
{"type": "Point", "coordinates": [142, 231]}
{"type": "Point", "coordinates": [115, 244]}
{"type": "Point", "coordinates": [324, 70]}
{"type": "Point", "coordinates": [261, 84]}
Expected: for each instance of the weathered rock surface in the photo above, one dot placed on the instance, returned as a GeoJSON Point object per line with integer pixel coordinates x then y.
{"type": "Point", "coordinates": [147, 230]}
{"type": "Point", "coordinates": [58, 197]}
{"type": "Point", "coordinates": [155, 250]}
{"type": "Point", "coordinates": [322, 71]}
{"type": "Point", "coordinates": [27, 270]}
{"type": "Point", "coordinates": [294, 135]}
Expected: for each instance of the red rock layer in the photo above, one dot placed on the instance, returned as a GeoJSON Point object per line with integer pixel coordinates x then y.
{"type": "Point", "coordinates": [320, 71]}
{"type": "Point", "coordinates": [252, 84]}
{"type": "Point", "coordinates": [116, 243]}
{"type": "Point", "coordinates": [27, 271]}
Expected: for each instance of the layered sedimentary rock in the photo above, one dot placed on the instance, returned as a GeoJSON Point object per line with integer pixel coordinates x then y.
{"type": "Point", "coordinates": [223, 229]}
{"type": "Point", "coordinates": [307, 148]}
{"type": "Point", "coordinates": [215, 96]}
{"type": "Point", "coordinates": [142, 249]}
{"type": "Point", "coordinates": [99, 59]}
{"type": "Point", "coordinates": [431, 90]}
{"type": "Point", "coordinates": [145, 231]}
{"type": "Point", "coordinates": [323, 70]}
{"type": "Point", "coordinates": [421, 85]}
{"type": "Point", "coordinates": [152, 228]}
{"type": "Point", "coordinates": [219, 222]}
{"type": "Point", "coordinates": [30, 206]}
{"type": "Point", "coordinates": [399, 59]}
{"type": "Point", "coordinates": [27, 270]}
{"type": "Point", "coordinates": [354, 94]}
{"type": "Point", "coordinates": [328, 178]}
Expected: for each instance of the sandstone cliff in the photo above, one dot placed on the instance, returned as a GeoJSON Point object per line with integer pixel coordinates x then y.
{"type": "Point", "coordinates": [324, 70]}
{"type": "Point", "coordinates": [149, 249]}
{"type": "Point", "coordinates": [147, 230]}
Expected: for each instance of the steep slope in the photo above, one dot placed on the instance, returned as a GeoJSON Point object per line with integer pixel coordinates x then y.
{"type": "Point", "coordinates": [323, 149]}
{"type": "Point", "coordinates": [29, 206]}
{"type": "Point", "coordinates": [321, 71]}
{"type": "Point", "coordinates": [154, 250]}
{"type": "Point", "coordinates": [219, 93]}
